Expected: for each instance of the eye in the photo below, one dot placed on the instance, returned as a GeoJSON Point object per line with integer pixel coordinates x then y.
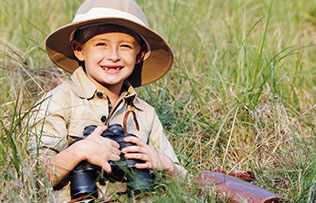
{"type": "Point", "coordinates": [100, 44]}
{"type": "Point", "coordinates": [126, 46]}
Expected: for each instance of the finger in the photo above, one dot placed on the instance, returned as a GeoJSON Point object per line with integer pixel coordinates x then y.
{"type": "Point", "coordinates": [133, 149]}
{"type": "Point", "coordinates": [146, 165]}
{"type": "Point", "coordinates": [99, 130]}
{"type": "Point", "coordinates": [114, 144]}
{"type": "Point", "coordinates": [115, 157]}
{"type": "Point", "coordinates": [106, 167]}
{"type": "Point", "coordinates": [135, 140]}
{"type": "Point", "coordinates": [115, 151]}
{"type": "Point", "coordinates": [136, 156]}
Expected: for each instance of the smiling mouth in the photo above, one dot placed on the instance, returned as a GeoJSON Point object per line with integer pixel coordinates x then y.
{"type": "Point", "coordinates": [114, 68]}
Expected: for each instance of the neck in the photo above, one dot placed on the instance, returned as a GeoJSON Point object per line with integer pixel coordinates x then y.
{"type": "Point", "coordinates": [112, 91]}
{"type": "Point", "coordinates": [113, 95]}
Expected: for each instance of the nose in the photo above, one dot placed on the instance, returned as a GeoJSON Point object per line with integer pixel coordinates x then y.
{"type": "Point", "coordinates": [113, 54]}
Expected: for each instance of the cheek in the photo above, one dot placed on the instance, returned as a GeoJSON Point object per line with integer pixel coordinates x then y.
{"type": "Point", "coordinates": [94, 57]}
{"type": "Point", "coordinates": [130, 58]}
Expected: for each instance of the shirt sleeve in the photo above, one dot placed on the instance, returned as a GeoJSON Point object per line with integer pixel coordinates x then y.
{"type": "Point", "coordinates": [48, 123]}
{"type": "Point", "coordinates": [159, 141]}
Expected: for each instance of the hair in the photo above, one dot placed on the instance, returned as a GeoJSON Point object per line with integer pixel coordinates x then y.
{"type": "Point", "coordinates": [83, 34]}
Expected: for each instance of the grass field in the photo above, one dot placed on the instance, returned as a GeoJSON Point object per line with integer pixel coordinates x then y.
{"type": "Point", "coordinates": [240, 97]}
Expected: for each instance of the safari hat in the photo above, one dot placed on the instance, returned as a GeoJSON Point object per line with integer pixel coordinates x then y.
{"type": "Point", "coordinates": [157, 61]}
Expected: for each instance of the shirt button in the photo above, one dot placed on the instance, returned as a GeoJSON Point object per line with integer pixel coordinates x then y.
{"type": "Point", "coordinates": [100, 95]}
{"type": "Point", "coordinates": [103, 119]}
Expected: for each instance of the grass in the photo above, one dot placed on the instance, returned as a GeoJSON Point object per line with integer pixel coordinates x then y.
{"type": "Point", "coordinates": [240, 95]}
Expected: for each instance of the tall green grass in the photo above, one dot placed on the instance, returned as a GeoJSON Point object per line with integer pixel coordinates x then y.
{"type": "Point", "coordinates": [240, 95]}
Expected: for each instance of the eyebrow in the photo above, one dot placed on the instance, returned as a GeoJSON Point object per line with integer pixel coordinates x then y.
{"type": "Point", "coordinates": [121, 40]}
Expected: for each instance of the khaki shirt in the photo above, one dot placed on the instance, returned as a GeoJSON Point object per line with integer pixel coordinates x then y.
{"type": "Point", "coordinates": [63, 113]}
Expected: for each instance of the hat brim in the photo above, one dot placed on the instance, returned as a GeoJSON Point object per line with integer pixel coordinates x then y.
{"type": "Point", "coordinates": [156, 65]}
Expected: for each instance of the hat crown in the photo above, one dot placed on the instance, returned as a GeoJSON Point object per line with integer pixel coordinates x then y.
{"type": "Point", "coordinates": [101, 8]}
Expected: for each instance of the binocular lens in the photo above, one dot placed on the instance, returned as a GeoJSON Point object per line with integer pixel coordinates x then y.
{"type": "Point", "coordinates": [84, 183]}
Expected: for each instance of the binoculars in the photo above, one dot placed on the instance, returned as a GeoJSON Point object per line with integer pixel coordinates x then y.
{"type": "Point", "coordinates": [85, 176]}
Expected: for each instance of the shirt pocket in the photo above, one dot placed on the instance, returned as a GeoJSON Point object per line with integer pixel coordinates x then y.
{"type": "Point", "coordinates": [79, 120]}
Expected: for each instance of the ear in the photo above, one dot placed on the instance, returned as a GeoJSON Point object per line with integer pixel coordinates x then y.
{"type": "Point", "coordinates": [140, 57]}
{"type": "Point", "coordinates": [77, 49]}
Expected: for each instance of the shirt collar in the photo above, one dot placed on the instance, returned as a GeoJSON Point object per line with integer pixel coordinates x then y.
{"type": "Point", "coordinates": [86, 89]}
{"type": "Point", "coordinates": [129, 92]}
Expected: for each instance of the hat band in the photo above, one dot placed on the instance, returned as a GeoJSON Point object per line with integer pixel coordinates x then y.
{"type": "Point", "coordinates": [95, 13]}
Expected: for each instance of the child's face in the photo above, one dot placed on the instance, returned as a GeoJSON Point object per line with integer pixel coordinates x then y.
{"type": "Point", "coordinates": [109, 58]}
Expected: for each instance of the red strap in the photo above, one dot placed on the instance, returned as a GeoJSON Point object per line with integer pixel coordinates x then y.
{"type": "Point", "coordinates": [125, 121]}
{"type": "Point", "coordinates": [245, 175]}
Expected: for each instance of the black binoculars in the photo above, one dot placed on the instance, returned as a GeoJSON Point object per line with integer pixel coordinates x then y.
{"type": "Point", "coordinates": [85, 176]}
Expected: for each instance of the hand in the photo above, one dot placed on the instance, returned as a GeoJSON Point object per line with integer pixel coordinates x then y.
{"type": "Point", "coordinates": [98, 150]}
{"type": "Point", "coordinates": [152, 158]}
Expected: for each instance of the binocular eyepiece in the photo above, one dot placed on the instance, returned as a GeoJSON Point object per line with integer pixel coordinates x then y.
{"type": "Point", "coordinates": [85, 176]}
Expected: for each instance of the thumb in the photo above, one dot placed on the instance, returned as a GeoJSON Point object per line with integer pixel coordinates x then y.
{"type": "Point", "coordinates": [100, 129]}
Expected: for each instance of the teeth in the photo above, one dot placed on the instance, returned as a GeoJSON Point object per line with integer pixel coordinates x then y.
{"type": "Point", "coordinates": [106, 68]}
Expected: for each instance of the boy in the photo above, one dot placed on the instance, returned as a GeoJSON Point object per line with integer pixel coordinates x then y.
{"type": "Point", "coordinates": [109, 49]}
